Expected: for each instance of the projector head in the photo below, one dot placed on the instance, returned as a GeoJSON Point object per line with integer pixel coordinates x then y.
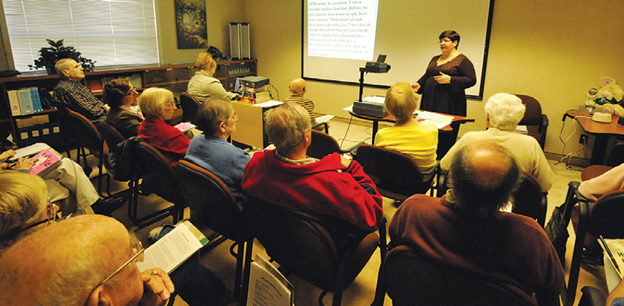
{"type": "Point", "coordinates": [376, 67]}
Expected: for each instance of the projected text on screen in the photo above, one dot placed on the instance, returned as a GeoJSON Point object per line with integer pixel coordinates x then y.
{"type": "Point", "coordinates": [342, 29]}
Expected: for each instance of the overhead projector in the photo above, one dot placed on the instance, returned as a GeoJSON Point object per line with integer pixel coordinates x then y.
{"type": "Point", "coordinates": [254, 81]}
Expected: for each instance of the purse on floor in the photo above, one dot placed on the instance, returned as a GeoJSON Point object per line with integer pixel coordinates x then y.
{"type": "Point", "coordinates": [557, 231]}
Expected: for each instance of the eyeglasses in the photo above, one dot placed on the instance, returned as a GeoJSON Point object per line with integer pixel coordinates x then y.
{"type": "Point", "coordinates": [170, 104]}
{"type": "Point", "coordinates": [137, 249]}
{"type": "Point", "coordinates": [52, 209]}
{"type": "Point", "coordinates": [235, 118]}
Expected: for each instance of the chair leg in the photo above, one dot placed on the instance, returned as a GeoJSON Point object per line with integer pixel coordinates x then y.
{"type": "Point", "coordinates": [569, 292]}
{"type": "Point", "coordinates": [337, 300]}
{"type": "Point", "coordinates": [380, 291]}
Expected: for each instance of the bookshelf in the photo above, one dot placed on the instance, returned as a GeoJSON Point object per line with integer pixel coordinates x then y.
{"type": "Point", "coordinates": [173, 77]}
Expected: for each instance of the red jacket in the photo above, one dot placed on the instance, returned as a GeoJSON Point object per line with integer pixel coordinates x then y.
{"type": "Point", "coordinates": [167, 139]}
{"type": "Point", "coordinates": [324, 187]}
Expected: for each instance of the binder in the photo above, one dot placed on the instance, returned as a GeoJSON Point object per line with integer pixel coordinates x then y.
{"type": "Point", "coordinates": [16, 108]}
{"type": "Point", "coordinates": [34, 95]}
{"type": "Point", "coordinates": [24, 138]}
{"type": "Point", "coordinates": [26, 101]}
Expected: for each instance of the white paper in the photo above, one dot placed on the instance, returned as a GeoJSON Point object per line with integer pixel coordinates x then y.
{"type": "Point", "coordinates": [616, 246]}
{"type": "Point", "coordinates": [267, 286]}
{"type": "Point", "coordinates": [375, 99]}
{"type": "Point", "coordinates": [268, 104]}
{"type": "Point", "coordinates": [434, 116]}
{"type": "Point", "coordinates": [173, 249]}
{"type": "Point", "coordinates": [29, 150]}
{"type": "Point", "coordinates": [325, 118]}
{"type": "Point", "coordinates": [349, 108]}
{"type": "Point", "coordinates": [522, 129]}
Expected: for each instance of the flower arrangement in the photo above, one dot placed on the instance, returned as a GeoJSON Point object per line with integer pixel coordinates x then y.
{"type": "Point", "coordinates": [609, 92]}
{"type": "Point", "coordinates": [49, 55]}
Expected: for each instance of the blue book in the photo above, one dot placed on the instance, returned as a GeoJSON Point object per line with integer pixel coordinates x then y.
{"type": "Point", "coordinates": [34, 94]}
{"type": "Point", "coordinates": [26, 101]}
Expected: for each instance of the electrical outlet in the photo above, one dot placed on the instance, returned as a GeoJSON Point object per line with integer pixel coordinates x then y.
{"type": "Point", "coordinates": [583, 139]}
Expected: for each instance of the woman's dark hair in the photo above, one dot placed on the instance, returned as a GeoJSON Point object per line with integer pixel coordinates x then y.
{"type": "Point", "coordinates": [115, 91]}
{"type": "Point", "coordinates": [450, 34]}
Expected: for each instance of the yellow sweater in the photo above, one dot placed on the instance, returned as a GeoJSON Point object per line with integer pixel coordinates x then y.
{"type": "Point", "coordinates": [419, 142]}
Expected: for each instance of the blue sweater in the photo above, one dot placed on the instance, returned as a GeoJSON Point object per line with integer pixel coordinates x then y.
{"type": "Point", "coordinates": [225, 161]}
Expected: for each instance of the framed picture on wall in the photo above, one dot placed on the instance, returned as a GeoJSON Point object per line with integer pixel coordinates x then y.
{"type": "Point", "coordinates": [191, 24]}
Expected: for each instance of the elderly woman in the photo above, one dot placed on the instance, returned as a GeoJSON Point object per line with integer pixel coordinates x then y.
{"type": "Point", "coordinates": [503, 111]}
{"type": "Point", "coordinates": [416, 139]}
{"type": "Point", "coordinates": [447, 76]}
{"type": "Point", "coordinates": [211, 150]}
{"type": "Point", "coordinates": [157, 105]}
{"type": "Point", "coordinates": [24, 206]}
{"type": "Point", "coordinates": [120, 95]}
{"type": "Point", "coordinates": [203, 85]}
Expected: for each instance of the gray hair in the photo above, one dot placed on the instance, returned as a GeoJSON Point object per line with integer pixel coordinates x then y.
{"type": "Point", "coordinates": [478, 192]}
{"type": "Point", "coordinates": [505, 110]}
{"type": "Point", "coordinates": [62, 64]}
{"type": "Point", "coordinates": [286, 125]}
{"type": "Point", "coordinates": [212, 112]}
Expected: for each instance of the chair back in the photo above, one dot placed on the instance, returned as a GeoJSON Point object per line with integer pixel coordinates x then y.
{"type": "Point", "coordinates": [190, 104]}
{"type": "Point", "coordinates": [412, 279]}
{"type": "Point", "coordinates": [396, 174]}
{"type": "Point", "coordinates": [110, 134]}
{"type": "Point", "coordinates": [533, 113]}
{"type": "Point", "coordinates": [616, 157]}
{"type": "Point", "coordinates": [209, 199]}
{"type": "Point", "coordinates": [529, 200]}
{"type": "Point", "coordinates": [322, 144]}
{"type": "Point", "coordinates": [157, 173]}
{"type": "Point", "coordinates": [604, 216]}
{"type": "Point", "coordinates": [298, 242]}
{"type": "Point", "coordinates": [85, 131]}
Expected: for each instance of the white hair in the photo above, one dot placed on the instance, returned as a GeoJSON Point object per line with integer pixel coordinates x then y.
{"type": "Point", "coordinates": [505, 111]}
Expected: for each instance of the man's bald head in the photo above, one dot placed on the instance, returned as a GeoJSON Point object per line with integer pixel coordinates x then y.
{"type": "Point", "coordinates": [483, 176]}
{"type": "Point", "coordinates": [61, 263]}
{"type": "Point", "coordinates": [298, 86]}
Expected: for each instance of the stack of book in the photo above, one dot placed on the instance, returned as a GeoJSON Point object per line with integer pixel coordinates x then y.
{"type": "Point", "coordinates": [25, 101]}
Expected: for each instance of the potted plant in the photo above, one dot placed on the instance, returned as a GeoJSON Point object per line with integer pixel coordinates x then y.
{"type": "Point", "coordinates": [49, 55]}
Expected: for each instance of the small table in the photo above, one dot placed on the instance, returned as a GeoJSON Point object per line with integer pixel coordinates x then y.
{"type": "Point", "coordinates": [457, 120]}
{"type": "Point", "coordinates": [602, 132]}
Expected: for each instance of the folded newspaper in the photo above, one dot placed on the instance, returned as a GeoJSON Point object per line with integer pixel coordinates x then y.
{"type": "Point", "coordinates": [173, 249]}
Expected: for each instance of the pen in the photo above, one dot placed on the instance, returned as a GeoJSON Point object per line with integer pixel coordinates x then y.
{"type": "Point", "coordinates": [617, 268]}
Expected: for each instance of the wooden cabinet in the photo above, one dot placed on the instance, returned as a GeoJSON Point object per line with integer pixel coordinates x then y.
{"type": "Point", "coordinates": [173, 77]}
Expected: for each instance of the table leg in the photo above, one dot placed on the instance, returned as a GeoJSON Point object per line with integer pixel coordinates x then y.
{"type": "Point", "coordinates": [600, 149]}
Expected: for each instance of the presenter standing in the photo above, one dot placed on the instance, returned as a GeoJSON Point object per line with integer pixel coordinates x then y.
{"type": "Point", "coordinates": [447, 76]}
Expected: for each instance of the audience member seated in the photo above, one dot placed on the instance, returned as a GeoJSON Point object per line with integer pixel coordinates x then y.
{"type": "Point", "coordinates": [202, 85]}
{"type": "Point", "coordinates": [120, 95]}
{"type": "Point", "coordinates": [465, 229]}
{"type": "Point", "coordinates": [25, 208]}
{"type": "Point", "coordinates": [68, 185]}
{"type": "Point", "coordinates": [216, 117]}
{"type": "Point", "coordinates": [502, 113]}
{"type": "Point", "coordinates": [71, 92]}
{"type": "Point", "coordinates": [86, 260]}
{"type": "Point", "coordinates": [416, 139]}
{"type": "Point", "coordinates": [157, 105]}
{"type": "Point", "coordinates": [298, 89]}
{"type": "Point", "coordinates": [333, 186]}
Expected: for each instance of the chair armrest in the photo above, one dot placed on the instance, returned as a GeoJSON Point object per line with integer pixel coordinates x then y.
{"type": "Point", "coordinates": [323, 123]}
{"type": "Point", "coordinates": [441, 183]}
{"type": "Point", "coordinates": [353, 149]}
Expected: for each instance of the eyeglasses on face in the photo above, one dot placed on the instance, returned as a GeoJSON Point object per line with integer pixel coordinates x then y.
{"type": "Point", "coordinates": [137, 249]}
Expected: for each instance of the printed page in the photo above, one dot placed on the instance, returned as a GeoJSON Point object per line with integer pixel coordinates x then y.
{"type": "Point", "coordinates": [268, 104]}
{"type": "Point", "coordinates": [29, 150]}
{"type": "Point", "coordinates": [267, 286]}
{"type": "Point", "coordinates": [174, 248]}
{"type": "Point", "coordinates": [324, 118]}
{"type": "Point", "coordinates": [616, 246]}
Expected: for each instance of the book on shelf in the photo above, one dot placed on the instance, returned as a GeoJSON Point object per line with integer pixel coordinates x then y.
{"type": "Point", "coordinates": [106, 80]}
{"type": "Point", "coordinates": [267, 286]}
{"type": "Point", "coordinates": [135, 80]}
{"type": "Point", "coordinates": [95, 85]}
{"type": "Point", "coordinates": [26, 101]}
{"type": "Point", "coordinates": [173, 249]}
{"type": "Point", "coordinates": [36, 99]}
{"type": "Point", "coordinates": [16, 108]}
{"type": "Point", "coordinates": [45, 161]}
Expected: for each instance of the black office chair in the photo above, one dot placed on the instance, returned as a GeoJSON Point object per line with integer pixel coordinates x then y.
{"type": "Point", "coordinates": [301, 244]}
{"type": "Point", "coordinates": [112, 137]}
{"type": "Point", "coordinates": [190, 104]}
{"type": "Point", "coordinates": [213, 204]}
{"type": "Point", "coordinates": [412, 279]}
{"type": "Point", "coordinates": [529, 200]}
{"type": "Point", "coordinates": [534, 119]}
{"type": "Point", "coordinates": [157, 176]}
{"type": "Point", "coordinates": [323, 144]}
{"type": "Point", "coordinates": [600, 218]}
{"type": "Point", "coordinates": [396, 174]}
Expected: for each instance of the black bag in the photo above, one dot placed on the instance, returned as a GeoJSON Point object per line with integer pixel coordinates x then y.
{"type": "Point", "coordinates": [557, 231]}
{"type": "Point", "coordinates": [216, 53]}
{"type": "Point", "coordinates": [123, 167]}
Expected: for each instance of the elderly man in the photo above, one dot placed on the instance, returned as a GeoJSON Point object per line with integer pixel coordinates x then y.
{"type": "Point", "coordinates": [86, 260]}
{"type": "Point", "coordinates": [333, 186]}
{"type": "Point", "coordinates": [502, 113]}
{"type": "Point", "coordinates": [71, 92]}
{"type": "Point", "coordinates": [466, 230]}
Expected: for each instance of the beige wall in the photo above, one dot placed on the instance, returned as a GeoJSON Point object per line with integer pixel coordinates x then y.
{"type": "Point", "coordinates": [552, 50]}
{"type": "Point", "coordinates": [219, 13]}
